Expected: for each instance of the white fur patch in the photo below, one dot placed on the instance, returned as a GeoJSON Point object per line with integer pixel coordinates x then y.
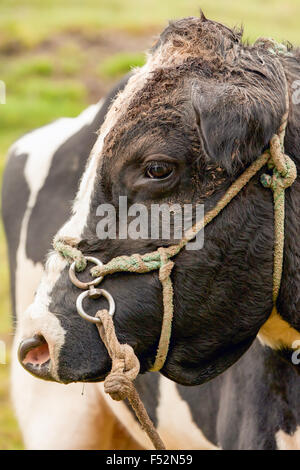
{"type": "Point", "coordinates": [175, 422]}
{"type": "Point", "coordinates": [54, 416]}
{"type": "Point", "coordinates": [286, 441]}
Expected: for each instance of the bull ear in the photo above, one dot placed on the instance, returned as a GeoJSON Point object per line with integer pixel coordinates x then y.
{"type": "Point", "coordinates": [235, 124]}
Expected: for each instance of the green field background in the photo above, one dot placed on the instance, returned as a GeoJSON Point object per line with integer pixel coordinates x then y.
{"type": "Point", "coordinates": [57, 56]}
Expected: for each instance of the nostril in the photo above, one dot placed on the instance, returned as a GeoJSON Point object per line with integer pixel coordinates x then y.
{"type": "Point", "coordinates": [34, 350]}
{"type": "Point", "coordinates": [35, 357]}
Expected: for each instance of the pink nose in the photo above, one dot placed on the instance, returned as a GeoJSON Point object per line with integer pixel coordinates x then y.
{"type": "Point", "coordinates": [34, 356]}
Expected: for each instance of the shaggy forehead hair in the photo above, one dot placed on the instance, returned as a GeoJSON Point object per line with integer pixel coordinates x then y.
{"type": "Point", "coordinates": [191, 46]}
{"type": "Point", "coordinates": [196, 37]}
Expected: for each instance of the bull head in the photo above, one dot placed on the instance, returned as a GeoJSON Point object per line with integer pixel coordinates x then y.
{"type": "Point", "coordinates": [189, 122]}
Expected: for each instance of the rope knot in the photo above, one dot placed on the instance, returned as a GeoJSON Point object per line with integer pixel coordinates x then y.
{"type": "Point", "coordinates": [284, 169]}
{"type": "Point", "coordinates": [124, 361]}
{"type": "Point", "coordinates": [67, 248]}
{"type": "Point", "coordinates": [166, 265]}
{"type": "Point", "coordinates": [127, 362]}
{"type": "Point", "coordinates": [118, 386]}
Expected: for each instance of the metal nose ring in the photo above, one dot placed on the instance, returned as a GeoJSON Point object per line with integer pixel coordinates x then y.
{"type": "Point", "coordinates": [85, 285]}
{"type": "Point", "coordinates": [94, 293]}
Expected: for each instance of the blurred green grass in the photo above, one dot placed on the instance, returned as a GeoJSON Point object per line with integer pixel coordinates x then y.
{"type": "Point", "coordinates": [56, 56]}
{"type": "Point", "coordinates": [120, 64]}
{"type": "Point", "coordinates": [32, 20]}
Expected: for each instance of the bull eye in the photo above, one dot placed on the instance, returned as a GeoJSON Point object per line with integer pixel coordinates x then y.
{"type": "Point", "coordinates": [159, 170]}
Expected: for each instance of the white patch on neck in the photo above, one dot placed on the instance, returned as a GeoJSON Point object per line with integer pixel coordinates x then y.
{"type": "Point", "coordinates": [175, 422]}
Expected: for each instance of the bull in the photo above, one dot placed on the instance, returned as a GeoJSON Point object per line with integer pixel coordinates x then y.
{"type": "Point", "coordinates": [179, 129]}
